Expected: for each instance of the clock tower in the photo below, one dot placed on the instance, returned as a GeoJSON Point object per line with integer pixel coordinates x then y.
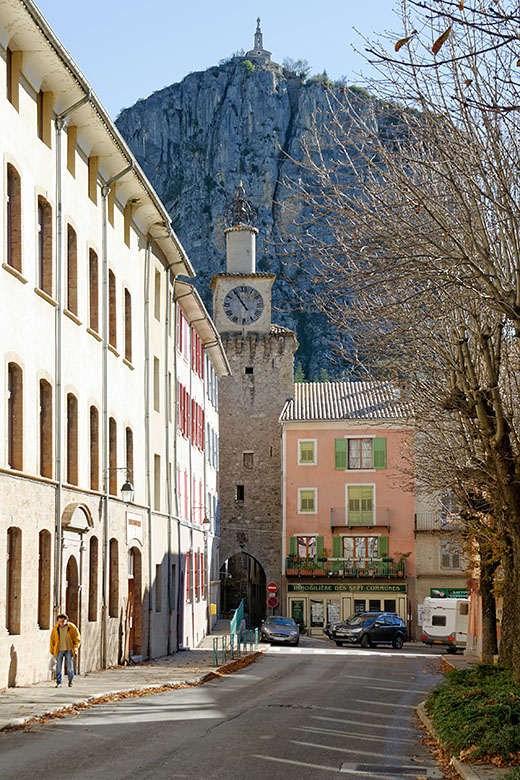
{"type": "Point", "coordinates": [261, 356]}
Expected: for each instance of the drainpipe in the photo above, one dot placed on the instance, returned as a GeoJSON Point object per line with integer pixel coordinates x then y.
{"type": "Point", "coordinates": [105, 189]}
{"type": "Point", "coordinates": [148, 263]}
{"type": "Point", "coordinates": [168, 397]}
{"type": "Point", "coordinates": [178, 584]}
{"type": "Point", "coordinates": [58, 357]}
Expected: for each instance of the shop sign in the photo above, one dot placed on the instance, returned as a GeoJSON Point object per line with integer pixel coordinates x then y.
{"type": "Point", "coordinates": [448, 593]}
{"type": "Point", "coordinates": [347, 586]}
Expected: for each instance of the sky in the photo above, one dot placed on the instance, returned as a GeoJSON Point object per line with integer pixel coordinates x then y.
{"type": "Point", "coordinates": [129, 49]}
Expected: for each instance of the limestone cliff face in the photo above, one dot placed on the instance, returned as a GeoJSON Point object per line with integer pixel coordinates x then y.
{"type": "Point", "coordinates": [197, 139]}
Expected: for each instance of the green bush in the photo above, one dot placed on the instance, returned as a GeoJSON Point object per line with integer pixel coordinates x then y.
{"type": "Point", "coordinates": [513, 774]}
{"type": "Point", "coordinates": [478, 709]}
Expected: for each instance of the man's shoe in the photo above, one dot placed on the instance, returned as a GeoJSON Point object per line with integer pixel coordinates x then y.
{"type": "Point", "coordinates": [70, 683]}
{"type": "Point", "coordinates": [58, 685]}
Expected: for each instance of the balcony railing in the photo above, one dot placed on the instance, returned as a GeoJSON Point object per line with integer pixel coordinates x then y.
{"type": "Point", "coordinates": [345, 567]}
{"type": "Point", "coordinates": [435, 521]}
{"type": "Point", "coordinates": [342, 517]}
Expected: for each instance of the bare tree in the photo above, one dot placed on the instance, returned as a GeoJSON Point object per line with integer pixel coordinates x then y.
{"type": "Point", "coordinates": [413, 248]}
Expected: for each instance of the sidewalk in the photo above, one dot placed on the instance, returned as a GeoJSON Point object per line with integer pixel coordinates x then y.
{"type": "Point", "coordinates": [18, 705]}
{"type": "Point", "coordinates": [466, 771]}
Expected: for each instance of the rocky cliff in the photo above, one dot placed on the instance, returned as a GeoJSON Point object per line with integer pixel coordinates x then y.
{"type": "Point", "coordinates": [197, 139]}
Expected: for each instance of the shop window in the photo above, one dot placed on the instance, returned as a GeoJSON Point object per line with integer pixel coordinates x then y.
{"type": "Point", "coordinates": [14, 580]}
{"type": "Point", "coordinates": [93, 569]}
{"type": "Point", "coordinates": [307, 500]}
{"type": "Point", "coordinates": [359, 606]}
{"type": "Point", "coordinates": [72, 270]}
{"type": "Point", "coordinates": [44, 246]}
{"type": "Point", "coordinates": [44, 579]}
{"type": "Point", "coordinates": [14, 219]}
{"type": "Point", "coordinates": [113, 579]}
{"type": "Point", "coordinates": [14, 416]}
{"type": "Point", "coordinates": [94, 448]}
{"type": "Point", "coordinates": [46, 429]}
{"type": "Point", "coordinates": [93, 291]}
{"type": "Point", "coordinates": [374, 605]}
{"type": "Point", "coordinates": [307, 452]}
{"type": "Point", "coordinates": [389, 605]}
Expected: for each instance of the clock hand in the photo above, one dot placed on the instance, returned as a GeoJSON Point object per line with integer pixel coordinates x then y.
{"type": "Point", "coordinates": [241, 301]}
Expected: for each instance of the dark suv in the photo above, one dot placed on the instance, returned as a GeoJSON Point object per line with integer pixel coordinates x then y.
{"type": "Point", "coordinates": [369, 629]}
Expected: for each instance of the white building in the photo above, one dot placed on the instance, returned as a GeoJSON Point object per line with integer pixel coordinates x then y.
{"type": "Point", "coordinates": [88, 343]}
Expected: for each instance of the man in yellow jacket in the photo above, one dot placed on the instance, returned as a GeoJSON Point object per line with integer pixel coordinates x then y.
{"type": "Point", "coordinates": [65, 640]}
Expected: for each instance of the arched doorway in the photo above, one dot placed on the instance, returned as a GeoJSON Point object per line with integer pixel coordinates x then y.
{"type": "Point", "coordinates": [134, 616]}
{"type": "Point", "coordinates": [72, 591]}
{"type": "Point", "coordinates": [242, 577]}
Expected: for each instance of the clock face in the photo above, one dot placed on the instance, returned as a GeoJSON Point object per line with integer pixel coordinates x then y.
{"type": "Point", "coordinates": [243, 305]}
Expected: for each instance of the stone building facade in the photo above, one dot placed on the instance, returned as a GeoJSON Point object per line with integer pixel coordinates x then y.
{"type": "Point", "coordinates": [261, 358]}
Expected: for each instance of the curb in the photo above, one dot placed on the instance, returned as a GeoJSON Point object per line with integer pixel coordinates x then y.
{"type": "Point", "coordinates": [200, 679]}
{"type": "Point", "coordinates": [466, 771]}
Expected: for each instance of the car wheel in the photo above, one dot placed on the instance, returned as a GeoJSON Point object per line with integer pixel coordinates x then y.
{"type": "Point", "coordinates": [365, 641]}
{"type": "Point", "coordinates": [397, 642]}
{"type": "Point", "coordinates": [339, 644]}
{"type": "Point", "coordinates": [451, 650]}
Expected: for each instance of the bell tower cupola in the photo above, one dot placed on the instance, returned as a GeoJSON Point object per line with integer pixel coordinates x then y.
{"type": "Point", "coordinates": [240, 234]}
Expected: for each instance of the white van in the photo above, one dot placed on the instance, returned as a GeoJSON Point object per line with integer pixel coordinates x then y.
{"type": "Point", "coordinates": [445, 623]}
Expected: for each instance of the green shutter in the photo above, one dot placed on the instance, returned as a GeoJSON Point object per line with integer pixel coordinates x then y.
{"type": "Point", "coordinates": [379, 451]}
{"type": "Point", "coordinates": [354, 505]}
{"type": "Point", "coordinates": [319, 547]}
{"type": "Point", "coordinates": [383, 546]}
{"type": "Point", "coordinates": [337, 547]}
{"type": "Point", "coordinates": [293, 546]}
{"type": "Point", "coordinates": [367, 505]}
{"type": "Point", "coordinates": [340, 453]}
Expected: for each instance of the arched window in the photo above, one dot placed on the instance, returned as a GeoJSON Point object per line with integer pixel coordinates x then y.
{"type": "Point", "coordinates": [14, 219]}
{"type": "Point", "coordinates": [44, 248]}
{"type": "Point", "coordinates": [128, 326]}
{"type": "Point", "coordinates": [45, 429]}
{"type": "Point", "coordinates": [15, 416]}
{"type": "Point", "coordinates": [93, 277]}
{"type": "Point", "coordinates": [72, 270]}
{"type": "Point", "coordinates": [94, 448]}
{"type": "Point", "coordinates": [72, 439]}
{"type": "Point", "coordinates": [44, 580]}
{"type": "Point", "coordinates": [112, 456]}
{"type": "Point", "coordinates": [129, 436]}
{"type": "Point", "coordinates": [93, 564]}
{"type": "Point", "coordinates": [14, 580]}
{"type": "Point", "coordinates": [112, 309]}
{"type": "Point", "coordinates": [113, 579]}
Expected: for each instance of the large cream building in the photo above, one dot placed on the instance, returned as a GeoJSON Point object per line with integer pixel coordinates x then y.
{"type": "Point", "coordinates": [97, 336]}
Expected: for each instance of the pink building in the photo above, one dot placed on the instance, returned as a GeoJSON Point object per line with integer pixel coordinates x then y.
{"type": "Point", "coordinates": [348, 510]}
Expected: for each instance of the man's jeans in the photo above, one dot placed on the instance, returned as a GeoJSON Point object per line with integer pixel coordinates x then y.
{"type": "Point", "coordinates": [69, 661]}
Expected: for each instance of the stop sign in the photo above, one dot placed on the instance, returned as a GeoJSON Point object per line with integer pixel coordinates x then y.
{"type": "Point", "coordinates": [272, 587]}
{"type": "Point", "coordinates": [272, 601]}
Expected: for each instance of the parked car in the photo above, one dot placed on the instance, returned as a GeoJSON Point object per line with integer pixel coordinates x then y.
{"type": "Point", "coordinates": [445, 623]}
{"type": "Point", "coordinates": [280, 629]}
{"type": "Point", "coordinates": [369, 629]}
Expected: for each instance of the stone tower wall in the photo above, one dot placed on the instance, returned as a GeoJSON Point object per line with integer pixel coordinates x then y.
{"type": "Point", "coordinates": [250, 405]}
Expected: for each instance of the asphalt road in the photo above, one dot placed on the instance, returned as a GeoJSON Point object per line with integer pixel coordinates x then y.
{"type": "Point", "coordinates": [297, 713]}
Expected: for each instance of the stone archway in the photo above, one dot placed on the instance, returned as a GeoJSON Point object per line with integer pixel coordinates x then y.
{"type": "Point", "coordinates": [72, 590]}
{"type": "Point", "coordinates": [243, 577]}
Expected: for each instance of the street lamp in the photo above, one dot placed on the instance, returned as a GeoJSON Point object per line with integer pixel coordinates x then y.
{"type": "Point", "coordinates": [127, 489]}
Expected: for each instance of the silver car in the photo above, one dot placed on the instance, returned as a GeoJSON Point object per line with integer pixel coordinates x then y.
{"type": "Point", "coordinates": [280, 629]}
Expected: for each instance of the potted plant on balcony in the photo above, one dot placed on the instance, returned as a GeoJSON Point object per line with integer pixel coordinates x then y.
{"type": "Point", "coordinates": [401, 563]}
{"type": "Point", "coordinates": [307, 567]}
{"type": "Point", "coordinates": [293, 566]}
{"type": "Point", "coordinates": [319, 565]}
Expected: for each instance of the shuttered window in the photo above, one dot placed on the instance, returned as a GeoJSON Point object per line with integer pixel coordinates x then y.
{"type": "Point", "coordinates": [340, 453]}
{"type": "Point", "coordinates": [379, 453]}
{"type": "Point", "coordinates": [306, 452]}
{"type": "Point", "coordinates": [307, 499]}
{"type": "Point", "coordinates": [360, 509]}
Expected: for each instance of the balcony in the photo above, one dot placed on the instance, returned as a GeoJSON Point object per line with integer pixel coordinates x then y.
{"type": "Point", "coordinates": [378, 517]}
{"type": "Point", "coordinates": [435, 521]}
{"type": "Point", "coordinates": [339, 568]}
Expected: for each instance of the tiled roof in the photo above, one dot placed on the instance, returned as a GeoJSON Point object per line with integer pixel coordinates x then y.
{"type": "Point", "coordinates": [280, 330]}
{"type": "Point", "coordinates": [345, 401]}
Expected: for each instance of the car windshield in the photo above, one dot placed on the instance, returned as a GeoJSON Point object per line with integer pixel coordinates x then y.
{"type": "Point", "coordinates": [280, 621]}
{"type": "Point", "coordinates": [360, 620]}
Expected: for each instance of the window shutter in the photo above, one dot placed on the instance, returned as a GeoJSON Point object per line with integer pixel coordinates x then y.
{"type": "Point", "coordinates": [379, 450]}
{"type": "Point", "coordinates": [293, 542]}
{"type": "Point", "coordinates": [354, 505]}
{"type": "Point", "coordinates": [319, 547]}
{"type": "Point", "coordinates": [337, 551]}
{"type": "Point", "coordinates": [367, 505]}
{"type": "Point", "coordinates": [340, 453]}
{"type": "Point", "coordinates": [383, 546]}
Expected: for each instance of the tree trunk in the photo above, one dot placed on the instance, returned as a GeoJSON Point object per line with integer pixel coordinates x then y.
{"type": "Point", "coordinates": [510, 642]}
{"type": "Point", "coordinates": [489, 614]}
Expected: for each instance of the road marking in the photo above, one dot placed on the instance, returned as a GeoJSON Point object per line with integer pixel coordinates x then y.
{"type": "Point", "coordinates": [336, 733]}
{"type": "Point", "coordinates": [369, 770]}
{"type": "Point", "coordinates": [350, 651]}
{"type": "Point", "coordinates": [350, 711]}
{"type": "Point", "coordinates": [298, 763]}
{"type": "Point", "coordinates": [342, 750]}
{"type": "Point", "coordinates": [356, 722]}
{"type": "Point", "coordinates": [384, 704]}
{"type": "Point", "coordinates": [399, 690]}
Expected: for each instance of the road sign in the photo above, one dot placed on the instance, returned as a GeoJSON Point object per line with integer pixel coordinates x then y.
{"type": "Point", "coordinates": [272, 602]}
{"type": "Point", "coordinates": [272, 587]}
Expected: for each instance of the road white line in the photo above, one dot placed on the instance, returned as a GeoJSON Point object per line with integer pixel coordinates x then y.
{"type": "Point", "coordinates": [297, 763]}
{"type": "Point", "coordinates": [344, 750]}
{"type": "Point", "coordinates": [399, 690]}
{"type": "Point", "coordinates": [336, 733]}
{"type": "Point", "coordinates": [385, 704]}
{"type": "Point", "coordinates": [350, 711]}
{"type": "Point", "coordinates": [356, 722]}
